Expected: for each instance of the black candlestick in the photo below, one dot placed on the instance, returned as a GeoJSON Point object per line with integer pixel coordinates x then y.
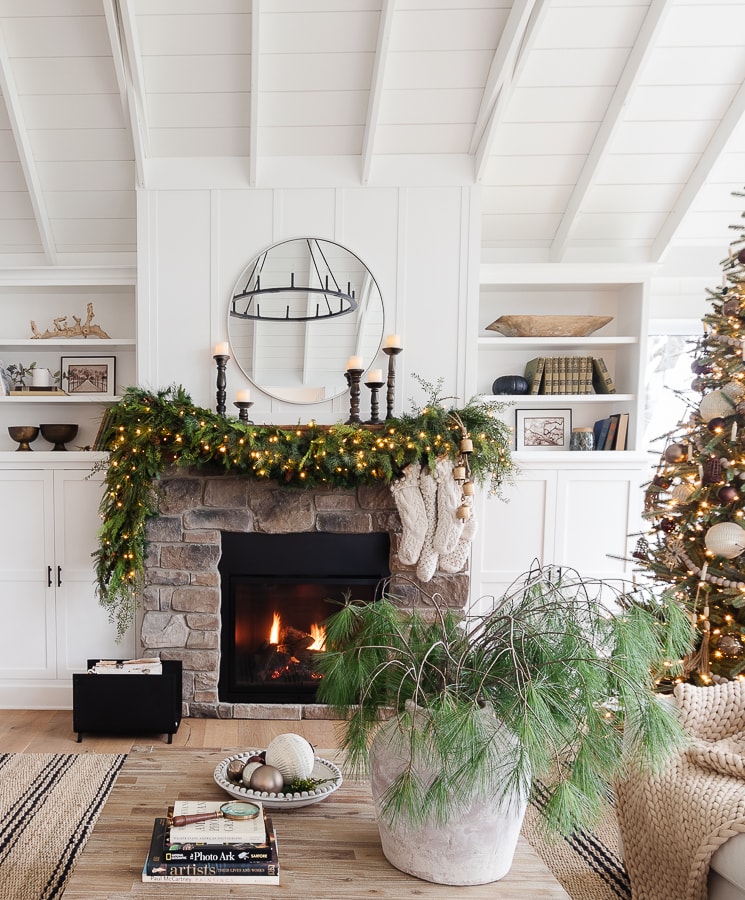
{"type": "Point", "coordinates": [391, 353]}
{"type": "Point", "coordinates": [243, 408]}
{"type": "Point", "coordinates": [374, 386]}
{"type": "Point", "coordinates": [222, 382]}
{"type": "Point", "coordinates": [354, 376]}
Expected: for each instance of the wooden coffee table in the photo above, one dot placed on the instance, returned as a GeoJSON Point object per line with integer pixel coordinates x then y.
{"type": "Point", "coordinates": [328, 851]}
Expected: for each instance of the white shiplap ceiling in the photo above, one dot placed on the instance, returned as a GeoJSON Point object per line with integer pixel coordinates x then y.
{"type": "Point", "coordinates": [599, 130]}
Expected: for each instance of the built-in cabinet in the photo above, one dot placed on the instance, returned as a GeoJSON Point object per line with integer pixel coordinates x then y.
{"type": "Point", "coordinates": [35, 301]}
{"type": "Point", "coordinates": [52, 622]}
{"type": "Point", "coordinates": [576, 509]}
{"type": "Point", "coordinates": [569, 514]}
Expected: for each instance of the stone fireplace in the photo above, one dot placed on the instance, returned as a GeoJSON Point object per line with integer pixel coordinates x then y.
{"type": "Point", "coordinates": [182, 599]}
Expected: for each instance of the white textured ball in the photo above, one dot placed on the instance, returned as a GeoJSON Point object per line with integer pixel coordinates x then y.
{"type": "Point", "coordinates": [721, 403]}
{"type": "Point", "coordinates": [726, 539]}
{"type": "Point", "coordinates": [292, 755]}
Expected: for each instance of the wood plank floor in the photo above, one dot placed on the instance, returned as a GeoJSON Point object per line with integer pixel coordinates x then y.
{"type": "Point", "coordinates": [50, 731]}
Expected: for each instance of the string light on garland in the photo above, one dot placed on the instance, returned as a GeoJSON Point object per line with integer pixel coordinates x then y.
{"type": "Point", "coordinates": [137, 433]}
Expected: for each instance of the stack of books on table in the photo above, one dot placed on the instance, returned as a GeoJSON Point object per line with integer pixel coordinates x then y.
{"type": "Point", "coordinates": [217, 851]}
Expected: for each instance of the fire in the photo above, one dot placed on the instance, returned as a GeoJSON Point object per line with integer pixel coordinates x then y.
{"type": "Point", "coordinates": [274, 633]}
{"type": "Point", "coordinates": [318, 633]}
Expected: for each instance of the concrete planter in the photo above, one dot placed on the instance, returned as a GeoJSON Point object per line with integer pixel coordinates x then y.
{"type": "Point", "coordinates": [477, 844]}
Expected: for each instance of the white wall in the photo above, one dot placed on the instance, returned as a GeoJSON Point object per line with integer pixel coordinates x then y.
{"type": "Point", "coordinates": [421, 244]}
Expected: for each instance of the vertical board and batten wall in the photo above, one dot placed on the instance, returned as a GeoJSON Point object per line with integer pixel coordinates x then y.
{"type": "Point", "coordinates": [417, 242]}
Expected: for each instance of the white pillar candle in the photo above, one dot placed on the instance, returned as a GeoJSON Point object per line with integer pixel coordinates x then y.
{"type": "Point", "coordinates": [222, 349]}
{"type": "Point", "coordinates": [393, 340]}
{"type": "Point", "coordinates": [375, 375]}
{"type": "Point", "coordinates": [354, 362]}
{"type": "Point", "coordinates": [244, 396]}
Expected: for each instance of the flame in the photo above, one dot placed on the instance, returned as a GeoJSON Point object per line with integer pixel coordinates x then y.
{"type": "Point", "coordinates": [274, 633]}
{"type": "Point", "coordinates": [318, 633]}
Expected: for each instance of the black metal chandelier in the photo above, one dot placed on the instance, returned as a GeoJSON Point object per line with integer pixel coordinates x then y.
{"type": "Point", "coordinates": [332, 300]}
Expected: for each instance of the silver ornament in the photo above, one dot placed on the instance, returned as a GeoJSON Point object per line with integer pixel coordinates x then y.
{"type": "Point", "coordinates": [267, 778]}
{"type": "Point", "coordinates": [248, 769]}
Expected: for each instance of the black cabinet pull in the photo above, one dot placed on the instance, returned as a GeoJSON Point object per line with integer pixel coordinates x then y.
{"type": "Point", "coordinates": [49, 576]}
{"type": "Point", "coordinates": [59, 576]}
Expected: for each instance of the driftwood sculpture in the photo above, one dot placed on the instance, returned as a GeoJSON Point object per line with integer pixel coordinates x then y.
{"type": "Point", "coordinates": [63, 330]}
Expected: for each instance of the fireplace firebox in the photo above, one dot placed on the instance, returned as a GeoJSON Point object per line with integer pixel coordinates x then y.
{"type": "Point", "coordinates": [277, 592]}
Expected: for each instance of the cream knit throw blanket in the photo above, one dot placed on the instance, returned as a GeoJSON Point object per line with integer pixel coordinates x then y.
{"type": "Point", "coordinates": [671, 823]}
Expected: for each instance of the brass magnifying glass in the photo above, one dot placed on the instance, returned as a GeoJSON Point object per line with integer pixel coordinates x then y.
{"type": "Point", "coordinates": [233, 809]}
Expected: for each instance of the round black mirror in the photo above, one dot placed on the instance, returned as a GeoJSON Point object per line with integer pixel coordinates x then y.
{"type": "Point", "coordinates": [299, 311]}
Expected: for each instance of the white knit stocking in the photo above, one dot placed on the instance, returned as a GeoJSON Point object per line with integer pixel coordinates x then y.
{"type": "Point", "coordinates": [408, 498]}
{"type": "Point", "coordinates": [449, 495]}
{"type": "Point", "coordinates": [427, 565]}
{"type": "Point", "coordinates": [454, 562]}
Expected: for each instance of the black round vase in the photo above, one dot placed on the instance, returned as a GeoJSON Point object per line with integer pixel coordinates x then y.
{"type": "Point", "coordinates": [510, 384]}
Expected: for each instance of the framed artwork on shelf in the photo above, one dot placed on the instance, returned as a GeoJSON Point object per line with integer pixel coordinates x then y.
{"type": "Point", "coordinates": [89, 375]}
{"type": "Point", "coordinates": [543, 429]}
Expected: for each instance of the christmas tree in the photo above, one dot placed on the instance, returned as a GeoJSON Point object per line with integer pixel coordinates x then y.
{"type": "Point", "coordinates": [695, 504]}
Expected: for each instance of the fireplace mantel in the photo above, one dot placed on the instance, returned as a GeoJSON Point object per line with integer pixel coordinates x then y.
{"type": "Point", "coordinates": [181, 602]}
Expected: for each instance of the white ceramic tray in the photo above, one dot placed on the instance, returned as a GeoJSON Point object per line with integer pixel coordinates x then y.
{"type": "Point", "coordinates": [323, 769]}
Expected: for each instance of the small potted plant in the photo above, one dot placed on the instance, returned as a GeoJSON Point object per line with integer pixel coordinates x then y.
{"type": "Point", "coordinates": [18, 373]}
{"type": "Point", "coordinates": [455, 717]}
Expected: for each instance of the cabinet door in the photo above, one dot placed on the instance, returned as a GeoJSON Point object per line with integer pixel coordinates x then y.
{"type": "Point", "coordinates": [513, 532]}
{"type": "Point", "coordinates": [83, 627]}
{"type": "Point", "coordinates": [597, 512]}
{"type": "Point", "coordinates": [27, 600]}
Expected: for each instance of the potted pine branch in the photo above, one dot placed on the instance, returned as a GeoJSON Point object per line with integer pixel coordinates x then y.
{"type": "Point", "coordinates": [455, 717]}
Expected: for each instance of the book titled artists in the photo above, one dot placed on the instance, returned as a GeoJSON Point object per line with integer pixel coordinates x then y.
{"type": "Point", "coordinates": [217, 864]}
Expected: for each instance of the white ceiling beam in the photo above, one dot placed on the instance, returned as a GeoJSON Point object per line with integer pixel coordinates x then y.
{"type": "Point", "coordinates": [501, 70]}
{"type": "Point", "coordinates": [125, 50]}
{"type": "Point", "coordinates": [512, 51]}
{"type": "Point", "coordinates": [376, 88]}
{"type": "Point", "coordinates": [612, 120]}
{"type": "Point", "coordinates": [9, 91]}
{"type": "Point", "coordinates": [714, 149]}
{"type": "Point", "coordinates": [253, 113]}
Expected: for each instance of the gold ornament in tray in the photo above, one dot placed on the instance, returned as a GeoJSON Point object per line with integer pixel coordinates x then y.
{"type": "Point", "coordinates": [548, 326]}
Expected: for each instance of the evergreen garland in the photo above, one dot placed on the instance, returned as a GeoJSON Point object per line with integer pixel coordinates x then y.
{"type": "Point", "coordinates": [148, 431]}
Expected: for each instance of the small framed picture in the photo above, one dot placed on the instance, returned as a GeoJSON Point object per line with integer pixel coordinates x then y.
{"type": "Point", "coordinates": [89, 375]}
{"type": "Point", "coordinates": [543, 429]}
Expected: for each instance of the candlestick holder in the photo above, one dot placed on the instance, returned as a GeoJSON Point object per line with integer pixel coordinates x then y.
{"type": "Point", "coordinates": [221, 359]}
{"type": "Point", "coordinates": [374, 386]}
{"type": "Point", "coordinates": [391, 353]}
{"type": "Point", "coordinates": [354, 376]}
{"type": "Point", "coordinates": [243, 408]}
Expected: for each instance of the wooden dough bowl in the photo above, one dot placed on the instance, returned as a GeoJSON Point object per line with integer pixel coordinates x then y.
{"type": "Point", "coordinates": [548, 326]}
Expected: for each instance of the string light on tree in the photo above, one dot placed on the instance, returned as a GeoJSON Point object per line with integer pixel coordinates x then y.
{"type": "Point", "coordinates": [695, 502]}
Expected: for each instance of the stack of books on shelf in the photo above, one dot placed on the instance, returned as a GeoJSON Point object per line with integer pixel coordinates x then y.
{"type": "Point", "coordinates": [612, 433]}
{"type": "Point", "coordinates": [216, 851]}
{"type": "Point", "coordinates": [569, 375]}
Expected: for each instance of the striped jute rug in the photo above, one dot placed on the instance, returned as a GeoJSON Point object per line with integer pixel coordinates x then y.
{"type": "Point", "coordinates": [587, 864]}
{"type": "Point", "coordinates": [49, 804]}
